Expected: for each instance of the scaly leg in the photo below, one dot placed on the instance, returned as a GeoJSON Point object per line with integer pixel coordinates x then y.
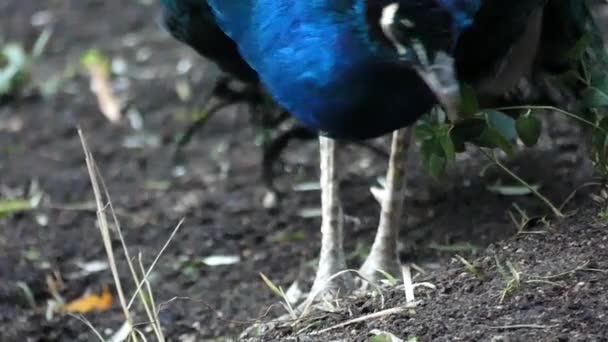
{"type": "Point", "coordinates": [331, 259]}
{"type": "Point", "coordinates": [383, 255]}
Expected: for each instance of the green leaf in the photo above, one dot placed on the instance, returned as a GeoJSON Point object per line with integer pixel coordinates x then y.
{"type": "Point", "coordinates": [503, 123]}
{"type": "Point", "coordinates": [390, 279]}
{"type": "Point", "coordinates": [570, 76]}
{"type": "Point", "coordinates": [424, 131]}
{"type": "Point", "coordinates": [528, 129]}
{"type": "Point", "coordinates": [491, 137]}
{"type": "Point", "coordinates": [13, 206]}
{"type": "Point", "coordinates": [436, 165]}
{"type": "Point", "coordinates": [595, 97]}
{"type": "Point", "coordinates": [384, 337]}
{"type": "Point", "coordinates": [512, 190]}
{"type": "Point", "coordinates": [14, 68]}
{"type": "Point", "coordinates": [468, 101]}
{"type": "Point", "coordinates": [438, 115]}
{"type": "Point", "coordinates": [598, 76]}
{"type": "Point", "coordinates": [465, 131]}
{"type": "Point", "coordinates": [41, 43]}
{"type": "Point", "coordinates": [604, 123]}
{"type": "Point", "coordinates": [94, 58]}
{"type": "Point", "coordinates": [274, 288]}
{"type": "Point", "coordinates": [599, 142]}
{"type": "Point", "coordinates": [596, 94]}
{"type": "Point", "coordinates": [579, 49]}
{"type": "Point", "coordinates": [449, 149]}
{"type": "Point", "coordinates": [433, 156]}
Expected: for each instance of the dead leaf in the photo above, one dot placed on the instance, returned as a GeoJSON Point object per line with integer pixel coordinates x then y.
{"type": "Point", "coordinates": [91, 302]}
{"type": "Point", "coordinates": [98, 67]}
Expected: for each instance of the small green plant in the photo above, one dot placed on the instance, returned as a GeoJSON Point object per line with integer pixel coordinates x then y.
{"type": "Point", "coordinates": [502, 128]}
{"type": "Point", "coordinates": [512, 278]}
{"type": "Point", "coordinates": [384, 336]}
{"type": "Point", "coordinates": [522, 221]}
{"type": "Point", "coordinates": [390, 279]}
{"type": "Point", "coordinates": [602, 199]}
{"type": "Point", "coordinates": [14, 68]}
{"type": "Point", "coordinates": [11, 206]}
{"type": "Point", "coordinates": [278, 290]}
{"type": "Point", "coordinates": [95, 59]}
{"type": "Point", "coordinates": [16, 63]}
{"type": "Point", "coordinates": [487, 129]}
{"type": "Point", "coordinates": [472, 268]}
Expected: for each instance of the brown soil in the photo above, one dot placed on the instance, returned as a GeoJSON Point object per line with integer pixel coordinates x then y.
{"type": "Point", "coordinates": [219, 194]}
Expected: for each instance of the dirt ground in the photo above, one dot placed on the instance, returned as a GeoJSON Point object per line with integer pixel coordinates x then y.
{"type": "Point", "coordinates": [560, 291]}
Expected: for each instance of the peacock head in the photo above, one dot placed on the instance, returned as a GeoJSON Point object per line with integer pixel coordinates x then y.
{"type": "Point", "coordinates": [423, 34]}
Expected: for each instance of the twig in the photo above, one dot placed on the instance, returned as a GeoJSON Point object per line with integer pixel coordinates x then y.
{"type": "Point", "coordinates": [406, 273]}
{"type": "Point", "coordinates": [493, 158]}
{"type": "Point", "coordinates": [565, 273]}
{"type": "Point", "coordinates": [109, 104]}
{"type": "Point", "coordinates": [575, 191]}
{"type": "Point", "coordinates": [554, 109]}
{"type": "Point", "coordinates": [150, 312]}
{"type": "Point", "coordinates": [379, 314]}
{"type": "Point", "coordinates": [150, 307]}
{"type": "Point", "coordinates": [102, 221]}
{"type": "Point", "coordinates": [90, 325]}
{"type": "Point", "coordinates": [162, 250]}
{"type": "Point", "coordinates": [524, 326]}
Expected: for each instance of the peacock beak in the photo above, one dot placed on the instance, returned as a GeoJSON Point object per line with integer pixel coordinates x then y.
{"type": "Point", "coordinates": [439, 73]}
{"type": "Point", "coordinates": [440, 77]}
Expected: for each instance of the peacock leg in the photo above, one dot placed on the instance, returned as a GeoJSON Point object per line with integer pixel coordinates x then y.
{"type": "Point", "coordinates": [383, 255]}
{"type": "Point", "coordinates": [331, 259]}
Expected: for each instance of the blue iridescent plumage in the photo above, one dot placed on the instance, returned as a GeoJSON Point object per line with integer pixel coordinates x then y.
{"type": "Point", "coordinates": [193, 23]}
{"type": "Point", "coordinates": [463, 11]}
{"type": "Point", "coordinates": [322, 63]}
{"type": "Point", "coordinates": [329, 63]}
